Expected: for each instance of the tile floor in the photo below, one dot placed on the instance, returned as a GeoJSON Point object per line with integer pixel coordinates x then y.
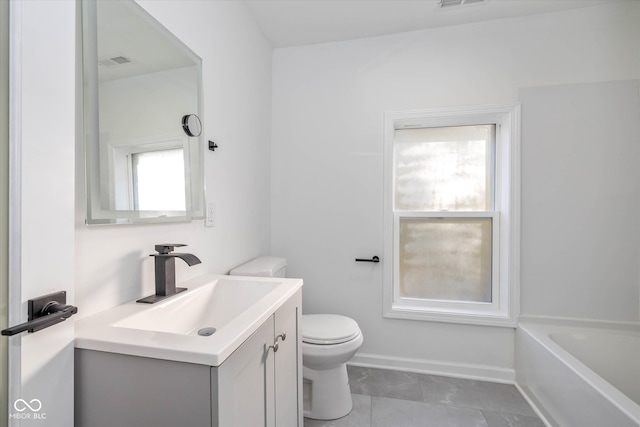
{"type": "Point", "coordinates": [385, 398]}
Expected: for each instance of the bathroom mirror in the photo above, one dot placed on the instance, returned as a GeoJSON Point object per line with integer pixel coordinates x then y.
{"type": "Point", "coordinates": [139, 82]}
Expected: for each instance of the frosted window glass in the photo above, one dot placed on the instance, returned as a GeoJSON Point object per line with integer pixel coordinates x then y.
{"type": "Point", "coordinates": [445, 168]}
{"type": "Point", "coordinates": [158, 180]}
{"type": "Point", "coordinates": [445, 259]}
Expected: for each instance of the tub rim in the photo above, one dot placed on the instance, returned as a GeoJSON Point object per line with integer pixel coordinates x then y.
{"type": "Point", "coordinates": [540, 330]}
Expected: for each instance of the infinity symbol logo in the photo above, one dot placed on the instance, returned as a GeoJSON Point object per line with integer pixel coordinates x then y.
{"type": "Point", "coordinates": [21, 405]}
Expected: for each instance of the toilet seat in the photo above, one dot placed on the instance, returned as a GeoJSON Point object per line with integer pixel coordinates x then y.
{"type": "Point", "coordinates": [328, 329]}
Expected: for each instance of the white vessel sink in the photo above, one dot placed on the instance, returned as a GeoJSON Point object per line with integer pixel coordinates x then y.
{"type": "Point", "coordinates": [233, 306]}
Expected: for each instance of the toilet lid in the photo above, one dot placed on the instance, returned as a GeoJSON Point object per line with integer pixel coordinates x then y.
{"type": "Point", "coordinates": [328, 329]}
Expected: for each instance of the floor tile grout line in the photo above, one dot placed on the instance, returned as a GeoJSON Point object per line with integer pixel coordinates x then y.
{"type": "Point", "coordinates": [370, 411]}
{"type": "Point", "coordinates": [486, 421]}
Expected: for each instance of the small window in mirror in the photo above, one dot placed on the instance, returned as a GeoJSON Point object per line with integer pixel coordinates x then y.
{"type": "Point", "coordinates": [158, 180]}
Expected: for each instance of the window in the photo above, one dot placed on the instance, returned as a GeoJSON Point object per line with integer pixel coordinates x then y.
{"type": "Point", "coordinates": [147, 174]}
{"type": "Point", "coordinates": [158, 180]}
{"type": "Point", "coordinates": [451, 215]}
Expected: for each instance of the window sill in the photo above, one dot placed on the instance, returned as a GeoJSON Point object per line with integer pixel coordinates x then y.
{"type": "Point", "coordinates": [466, 317]}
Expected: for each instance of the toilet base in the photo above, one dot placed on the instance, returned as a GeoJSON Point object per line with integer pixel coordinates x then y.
{"type": "Point", "coordinates": [326, 393]}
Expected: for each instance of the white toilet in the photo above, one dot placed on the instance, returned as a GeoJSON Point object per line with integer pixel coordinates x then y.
{"type": "Point", "coordinates": [329, 341]}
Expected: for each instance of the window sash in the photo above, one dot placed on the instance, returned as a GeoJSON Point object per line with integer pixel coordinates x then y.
{"type": "Point", "coordinates": [168, 171]}
{"type": "Point", "coordinates": [451, 135]}
{"type": "Point", "coordinates": [437, 305]}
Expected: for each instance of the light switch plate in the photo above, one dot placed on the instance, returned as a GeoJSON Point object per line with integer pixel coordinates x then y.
{"type": "Point", "coordinates": [210, 217]}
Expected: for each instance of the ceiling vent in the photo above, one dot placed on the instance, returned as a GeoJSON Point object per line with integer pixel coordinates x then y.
{"type": "Point", "coordinates": [446, 4]}
{"type": "Point", "coordinates": [116, 60]}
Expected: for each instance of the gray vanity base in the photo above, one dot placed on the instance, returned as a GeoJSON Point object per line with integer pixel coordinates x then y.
{"type": "Point", "coordinates": [260, 384]}
{"type": "Point", "coordinates": [111, 390]}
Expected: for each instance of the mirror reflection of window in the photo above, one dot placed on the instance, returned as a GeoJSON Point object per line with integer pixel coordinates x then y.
{"type": "Point", "coordinates": [158, 180]}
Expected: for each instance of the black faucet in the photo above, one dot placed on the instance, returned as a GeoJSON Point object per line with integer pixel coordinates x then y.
{"type": "Point", "coordinates": [166, 271]}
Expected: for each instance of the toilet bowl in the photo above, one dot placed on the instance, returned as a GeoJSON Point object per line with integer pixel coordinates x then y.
{"type": "Point", "coordinates": [329, 341]}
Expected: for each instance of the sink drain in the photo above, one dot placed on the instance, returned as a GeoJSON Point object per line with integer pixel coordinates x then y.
{"type": "Point", "coordinates": [205, 332]}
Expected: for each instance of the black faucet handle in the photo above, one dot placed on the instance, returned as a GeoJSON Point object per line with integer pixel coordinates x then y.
{"type": "Point", "coordinates": [165, 248]}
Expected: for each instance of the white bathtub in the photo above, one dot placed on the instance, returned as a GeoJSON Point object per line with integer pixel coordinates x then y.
{"type": "Point", "coordinates": [580, 376]}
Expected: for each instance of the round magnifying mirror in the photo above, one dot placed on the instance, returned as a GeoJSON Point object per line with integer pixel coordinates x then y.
{"type": "Point", "coordinates": [191, 125]}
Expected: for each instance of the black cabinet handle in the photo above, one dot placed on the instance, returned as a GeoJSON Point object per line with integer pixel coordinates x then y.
{"type": "Point", "coordinates": [374, 259]}
{"type": "Point", "coordinates": [44, 311]}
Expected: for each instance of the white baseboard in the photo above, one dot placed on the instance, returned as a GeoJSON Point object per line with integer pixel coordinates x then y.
{"type": "Point", "coordinates": [435, 367]}
{"type": "Point", "coordinates": [544, 416]}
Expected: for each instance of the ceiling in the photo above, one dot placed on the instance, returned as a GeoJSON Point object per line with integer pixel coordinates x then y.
{"type": "Point", "coordinates": [301, 22]}
{"type": "Point", "coordinates": [131, 43]}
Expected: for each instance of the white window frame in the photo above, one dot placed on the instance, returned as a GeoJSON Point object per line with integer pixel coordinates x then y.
{"type": "Point", "coordinates": [504, 307]}
{"type": "Point", "coordinates": [118, 164]}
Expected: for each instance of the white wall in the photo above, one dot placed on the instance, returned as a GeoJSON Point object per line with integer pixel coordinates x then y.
{"type": "Point", "coordinates": [112, 262]}
{"type": "Point", "coordinates": [328, 105]}
{"type": "Point", "coordinates": [581, 199]}
{"type": "Point", "coordinates": [127, 106]}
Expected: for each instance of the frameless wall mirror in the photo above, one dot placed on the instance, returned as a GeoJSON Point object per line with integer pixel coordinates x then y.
{"type": "Point", "coordinates": [139, 82]}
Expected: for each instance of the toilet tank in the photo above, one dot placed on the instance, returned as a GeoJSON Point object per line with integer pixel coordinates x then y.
{"type": "Point", "coordinates": [264, 266]}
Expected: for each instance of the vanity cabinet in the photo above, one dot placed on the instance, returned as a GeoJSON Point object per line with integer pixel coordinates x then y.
{"type": "Point", "coordinates": [288, 367]}
{"type": "Point", "coordinates": [260, 384]}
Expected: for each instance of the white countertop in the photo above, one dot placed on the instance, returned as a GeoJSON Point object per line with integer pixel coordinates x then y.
{"type": "Point", "coordinates": [100, 331]}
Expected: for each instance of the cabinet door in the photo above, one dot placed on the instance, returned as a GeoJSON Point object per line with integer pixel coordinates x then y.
{"type": "Point", "coordinates": [288, 365]}
{"type": "Point", "coordinates": [244, 390]}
